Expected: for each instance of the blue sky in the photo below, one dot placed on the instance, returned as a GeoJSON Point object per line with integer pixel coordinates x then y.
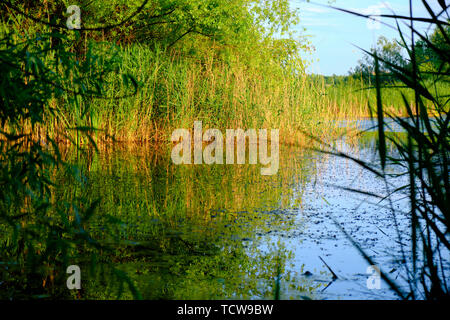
{"type": "Point", "coordinates": [332, 32]}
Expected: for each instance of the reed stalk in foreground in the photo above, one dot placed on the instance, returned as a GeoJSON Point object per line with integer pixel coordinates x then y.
{"type": "Point", "coordinates": [423, 156]}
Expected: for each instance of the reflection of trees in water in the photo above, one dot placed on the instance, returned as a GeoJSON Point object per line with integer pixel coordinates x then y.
{"type": "Point", "coordinates": [195, 226]}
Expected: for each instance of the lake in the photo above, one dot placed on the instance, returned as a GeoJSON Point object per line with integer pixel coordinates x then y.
{"type": "Point", "coordinates": [227, 232]}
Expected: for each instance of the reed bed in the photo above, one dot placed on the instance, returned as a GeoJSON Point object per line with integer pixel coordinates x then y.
{"type": "Point", "coordinates": [175, 90]}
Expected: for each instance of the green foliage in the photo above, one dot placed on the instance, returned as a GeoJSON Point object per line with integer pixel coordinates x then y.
{"type": "Point", "coordinates": [39, 239]}
{"type": "Point", "coordinates": [57, 85]}
{"type": "Point", "coordinates": [428, 60]}
{"type": "Point", "coordinates": [242, 28]}
{"type": "Point", "coordinates": [391, 52]}
{"type": "Point", "coordinates": [429, 51]}
{"type": "Point", "coordinates": [423, 156]}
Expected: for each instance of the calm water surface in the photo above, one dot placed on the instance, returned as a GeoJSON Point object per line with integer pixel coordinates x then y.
{"type": "Point", "coordinates": [226, 232]}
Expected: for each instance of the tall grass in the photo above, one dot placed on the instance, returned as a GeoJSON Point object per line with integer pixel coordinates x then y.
{"type": "Point", "coordinates": [352, 96]}
{"type": "Point", "coordinates": [174, 90]}
{"type": "Point", "coordinates": [423, 156]}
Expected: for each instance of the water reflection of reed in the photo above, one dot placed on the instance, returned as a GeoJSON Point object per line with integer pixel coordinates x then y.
{"type": "Point", "coordinates": [181, 212]}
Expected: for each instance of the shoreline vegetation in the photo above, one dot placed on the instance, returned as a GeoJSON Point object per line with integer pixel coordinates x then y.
{"type": "Point", "coordinates": [173, 92]}
{"type": "Point", "coordinates": [224, 83]}
{"type": "Point", "coordinates": [136, 71]}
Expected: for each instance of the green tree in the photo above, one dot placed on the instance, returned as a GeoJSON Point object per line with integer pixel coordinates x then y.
{"type": "Point", "coordinates": [389, 52]}
{"type": "Point", "coordinates": [39, 237]}
{"type": "Point", "coordinates": [426, 50]}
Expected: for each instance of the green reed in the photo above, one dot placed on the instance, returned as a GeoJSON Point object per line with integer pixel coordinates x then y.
{"type": "Point", "coordinates": [422, 155]}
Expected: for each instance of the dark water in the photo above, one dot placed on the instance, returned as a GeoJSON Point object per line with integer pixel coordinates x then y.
{"type": "Point", "coordinates": [227, 232]}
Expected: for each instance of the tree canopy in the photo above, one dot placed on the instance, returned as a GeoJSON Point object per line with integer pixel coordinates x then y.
{"type": "Point", "coordinates": [391, 52]}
